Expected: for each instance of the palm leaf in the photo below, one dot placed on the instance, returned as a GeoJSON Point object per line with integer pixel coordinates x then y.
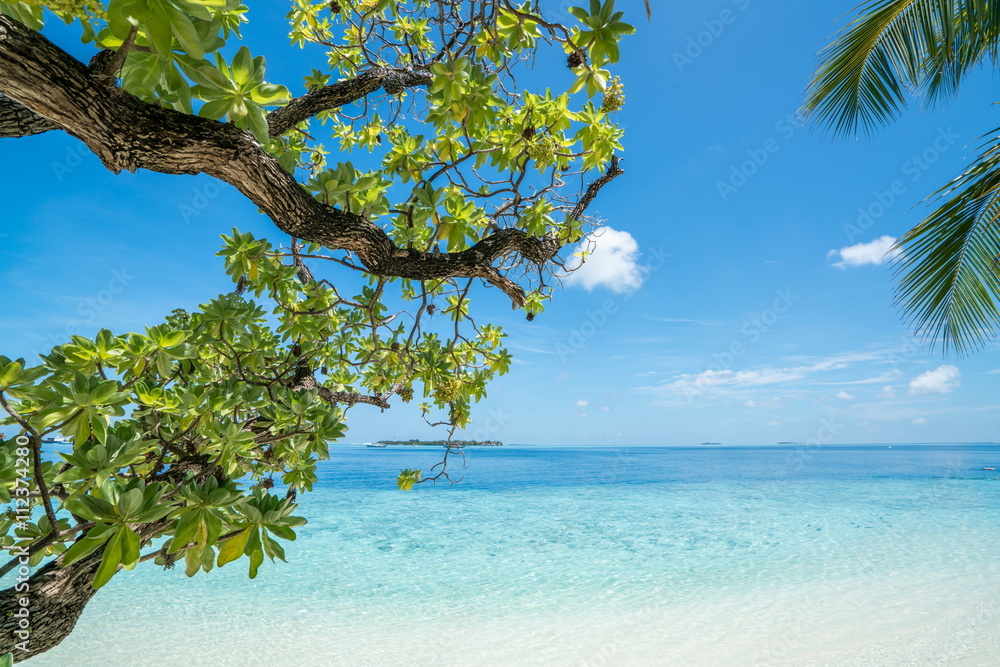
{"type": "Point", "coordinates": [895, 49]}
{"type": "Point", "coordinates": [950, 282]}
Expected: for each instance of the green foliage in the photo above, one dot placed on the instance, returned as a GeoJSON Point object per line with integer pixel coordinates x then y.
{"type": "Point", "coordinates": [950, 284]}
{"type": "Point", "coordinates": [407, 478]}
{"type": "Point", "coordinates": [895, 49]}
{"type": "Point", "coordinates": [180, 433]}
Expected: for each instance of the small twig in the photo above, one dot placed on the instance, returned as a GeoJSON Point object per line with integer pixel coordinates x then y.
{"type": "Point", "coordinates": [44, 542]}
{"type": "Point", "coordinates": [119, 60]}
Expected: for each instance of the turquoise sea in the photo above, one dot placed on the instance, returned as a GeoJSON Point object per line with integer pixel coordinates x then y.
{"type": "Point", "coordinates": [757, 555]}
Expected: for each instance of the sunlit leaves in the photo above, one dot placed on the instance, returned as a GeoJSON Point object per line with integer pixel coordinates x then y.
{"type": "Point", "coordinates": [236, 91]}
{"type": "Point", "coordinates": [407, 478]}
{"type": "Point", "coordinates": [115, 513]}
{"type": "Point", "coordinates": [261, 516]}
{"type": "Point", "coordinates": [352, 190]}
{"type": "Point", "coordinates": [179, 431]}
{"type": "Point", "coordinates": [603, 28]}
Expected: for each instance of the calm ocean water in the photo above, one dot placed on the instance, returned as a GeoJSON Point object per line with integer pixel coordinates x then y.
{"type": "Point", "coordinates": [838, 555]}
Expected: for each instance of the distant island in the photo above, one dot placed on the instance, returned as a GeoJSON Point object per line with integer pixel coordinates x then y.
{"type": "Point", "coordinates": [443, 443]}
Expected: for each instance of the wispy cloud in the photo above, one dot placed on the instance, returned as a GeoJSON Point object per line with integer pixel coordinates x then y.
{"type": "Point", "coordinates": [514, 344]}
{"type": "Point", "coordinates": [683, 320]}
{"type": "Point", "coordinates": [874, 252]}
{"type": "Point", "coordinates": [773, 402]}
{"type": "Point", "coordinates": [646, 340]}
{"type": "Point", "coordinates": [714, 383]}
{"type": "Point", "coordinates": [878, 379]}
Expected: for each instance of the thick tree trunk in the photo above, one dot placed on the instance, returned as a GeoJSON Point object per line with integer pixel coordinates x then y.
{"type": "Point", "coordinates": [54, 597]}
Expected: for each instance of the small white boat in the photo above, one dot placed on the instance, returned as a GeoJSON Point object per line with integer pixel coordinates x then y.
{"type": "Point", "coordinates": [377, 445]}
{"type": "Point", "coordinates": [57, 440]}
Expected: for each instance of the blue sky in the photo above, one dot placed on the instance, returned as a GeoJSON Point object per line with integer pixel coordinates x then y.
{"type": "Point", "coordinates": [738, 294]}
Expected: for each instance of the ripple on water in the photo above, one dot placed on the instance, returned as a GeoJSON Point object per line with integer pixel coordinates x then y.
{"type": "Point", "coordinates": [735, 569]}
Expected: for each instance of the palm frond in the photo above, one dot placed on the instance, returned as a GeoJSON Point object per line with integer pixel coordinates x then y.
{"type": "Point", "coordinates": [950, 280]}
{"type": "Point", "coordinates": [974, 37]}
{"type": "Point", "coordinates": [896, 49]}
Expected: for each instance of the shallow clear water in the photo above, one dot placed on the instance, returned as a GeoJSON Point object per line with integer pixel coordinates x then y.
{"type": "Point", "coordinates": [589, 556]}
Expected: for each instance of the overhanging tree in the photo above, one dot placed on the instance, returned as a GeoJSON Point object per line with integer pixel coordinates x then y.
{"type": "Point", "coordinates": [892, 51]}
{"type": "Point", "coordinates": [180, 432]}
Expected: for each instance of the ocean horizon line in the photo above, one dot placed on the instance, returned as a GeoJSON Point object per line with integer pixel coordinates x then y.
{"type": "Point", "coordinates": [956, 443]}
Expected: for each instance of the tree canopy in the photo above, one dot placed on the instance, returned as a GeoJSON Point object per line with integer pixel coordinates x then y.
{"type": "Point", "coordinates": [892, 51]}
{"type": "Point", "coordinates": [424, 155]}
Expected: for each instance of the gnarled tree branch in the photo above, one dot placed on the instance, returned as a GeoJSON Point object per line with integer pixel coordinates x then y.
{"type": "Point", "coordinates": [129, 134]}
{"type": "Point", "coordinates": [394, 80]}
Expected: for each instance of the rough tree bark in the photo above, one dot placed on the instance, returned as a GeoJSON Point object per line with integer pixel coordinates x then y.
{"type": "Point", "coordinates": [129, 134]}
{"type": "Point", "coordinates": [16, 120]}
{"type": "Point", "coordinates": [56, 597]}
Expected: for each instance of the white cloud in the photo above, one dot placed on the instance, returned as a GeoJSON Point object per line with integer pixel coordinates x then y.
{"type": "Point", "coordinates": [995, 371]}
{"type": "Point", "coordinates": [582, 403]}
{"type": "Point", "coordinates": [844, 396]}
{"type": "Point", "coordinates": [875, 252]}
{"type": "Point", "coordinates": [773, 423]}
{"type": "Point", "coordinates": [773, 402]}
{"type": "Point", "coordinates": [750, 378]}
{"type": "Point", "coordinates": [919, 421]}
{"type": "Point", "coordinates": [754, 378]}
{"type": "Point", "coordinates": [942, 380]}
{"type": "Point", "coordinates": [888, 391]}
{"type": "Point", "coordinates": [612, 262]}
